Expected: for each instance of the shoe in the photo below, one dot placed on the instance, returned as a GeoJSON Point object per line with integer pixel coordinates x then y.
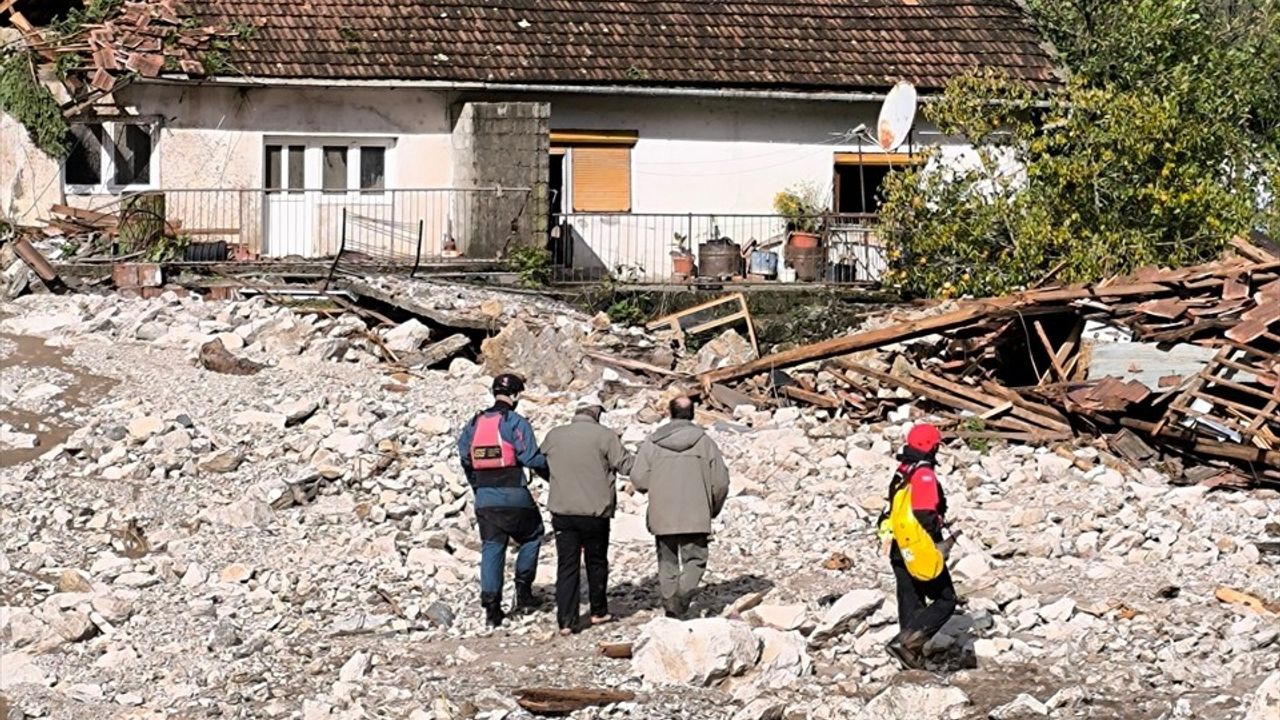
{"type": "Point", "coordinates": [526, 600]}
{"type": "Point", "coordinates": [908, 656]}
{"type": "Point", "coordinates": [493, 614]}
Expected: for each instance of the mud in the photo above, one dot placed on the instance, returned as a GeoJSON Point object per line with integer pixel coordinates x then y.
{"type": "Point", "coordinates": [50, 429]}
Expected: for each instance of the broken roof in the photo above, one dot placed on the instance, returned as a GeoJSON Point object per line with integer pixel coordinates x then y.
{"type": "Point", "coordinates": [796, 44]}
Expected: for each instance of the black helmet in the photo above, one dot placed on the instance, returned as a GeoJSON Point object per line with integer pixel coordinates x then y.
{"type": "Point", "coordinates": [508, 385]}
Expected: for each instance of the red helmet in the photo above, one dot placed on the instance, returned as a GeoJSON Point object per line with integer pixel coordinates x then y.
{"type": "Point", "coordinates": [924, 438]}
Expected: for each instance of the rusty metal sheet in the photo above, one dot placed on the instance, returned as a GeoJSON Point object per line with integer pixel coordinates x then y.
{"type": "Point", "coordinates": [1169, 308]}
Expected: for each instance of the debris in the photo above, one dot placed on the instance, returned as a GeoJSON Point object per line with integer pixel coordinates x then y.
{"type": "Point", "coordinates": [694, 320]}
{"type": "Point", "coordinates": [557, 701]}
{"type": "Point", "coordinates": [849, 608]}
{"type": "Point", "coordinates": [1254, 603]}
{"type": "Point", "coordinates": [912, 702]}
{"type": "Point", "coordinates": [214, 357]}
{"type": "Point", "coordinates": [838, 562]}
{"type": "Point", "coordinates": [616, 650]}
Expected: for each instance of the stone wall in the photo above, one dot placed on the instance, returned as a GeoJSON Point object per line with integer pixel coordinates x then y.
{"type": "Point", "coordinates": [506, 145]}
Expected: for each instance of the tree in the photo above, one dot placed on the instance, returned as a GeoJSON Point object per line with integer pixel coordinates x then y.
{"type": "Point", "coordinates": [1162, 144]}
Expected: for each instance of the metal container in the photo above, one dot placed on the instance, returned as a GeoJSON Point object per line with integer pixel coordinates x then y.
{"type": "Point", "coordinates": [807, 262]}
{"type": "Point", "coordinates": [719, 258]}
{"type": "Point", "coordinates": [763, 263]}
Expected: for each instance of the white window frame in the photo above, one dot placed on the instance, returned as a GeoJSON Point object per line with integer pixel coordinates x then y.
{"type": "Point", "coordinates": [313, 159]}
{"type": "Point", "coordinates": [106, 166]}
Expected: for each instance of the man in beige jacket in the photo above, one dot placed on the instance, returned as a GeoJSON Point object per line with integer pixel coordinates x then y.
{"type": "Point", "coordinates": [682, 470]}
{"type": "Point", "coordinates": [584, 457]}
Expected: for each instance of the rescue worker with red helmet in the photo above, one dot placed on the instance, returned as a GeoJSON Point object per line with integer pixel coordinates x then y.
{"type": "Point", "coordinates": [924, 605]}
{"type": "Point", "coordinates": [496, 448]}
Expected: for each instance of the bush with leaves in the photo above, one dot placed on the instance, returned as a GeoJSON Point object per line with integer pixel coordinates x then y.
{"type": "Point", "coordinates": [1162, 145]}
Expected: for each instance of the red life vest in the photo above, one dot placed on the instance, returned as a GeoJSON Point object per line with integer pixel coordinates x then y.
{"type": "Point", "coordinates": [489, 451]}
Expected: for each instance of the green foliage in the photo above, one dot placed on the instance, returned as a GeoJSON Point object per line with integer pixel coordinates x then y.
{"type": "Point", "coordinates": [627, 312]}
{"type": "Point", "coordinates": [975, 425]}
{"type": "Point", "coordinates": [31, 104]}
{"type": "Point", "coordinates": [76, 18]}
{"type": "Point", "coordinates": [802, 205]}
{"type": "Point", "coordinates": [1163, 144]}
{"type": "Point", "coordinates": [167, 249]}
{"type": "Point", "coordinates": [531, 264]}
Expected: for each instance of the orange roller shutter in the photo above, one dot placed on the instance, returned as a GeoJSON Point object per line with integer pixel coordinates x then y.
{"type": "Point", "coordinates": [601, 179]}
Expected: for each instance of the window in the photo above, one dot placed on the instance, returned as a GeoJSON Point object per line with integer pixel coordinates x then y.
{"type": "Point", "coordinates": [335, 169]}
{"type": "Point", "coordinates": [285, 167]}
{"type": "Point", "coordinates": [111, 156]}
{"type": "Point", "coordinates": [598, 169]}
{"type": "Point", "coordinates": [373, 168]}
{"type": "Point", "coordinates": [859, 179]}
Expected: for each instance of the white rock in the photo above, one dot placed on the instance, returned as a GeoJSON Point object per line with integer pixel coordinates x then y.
{"type": "Point", "coordinates": [112, 607]}
{"type": "Point", "coordinates": [783, 657]}
{"type": "Point", "coordinates": [221, 461]}
{"type": "Point", "coordinates": [852, 607]}
{"type": "Point", "coordinates": [697, 652]}
{"type": "Point", "coordinates": [144, 427]}
{"type": "Point", "coordinates": [762, 708]}
{"type": "Point", "coordinates": [1265, 704]}
{"type": "Point", "coordinates": [1023, 706]}
{"type": "Point", "coordinates": [783, 617]}
{"type": "Point", "coordinates": [298, 411]}
{"type": "Point", "coordinates": [972, 567]}
{"type": "Point", "coordinates": [245, 513]}
{"type": "Point", "coordinates": [137, 580]}
{"type": "Point", "coordinates": [915, 702]}
{"type": "Point", "coordinates": [73, 626]}
{"type": "Point", "coordinates": [407, 336]}
{"type": "Point", "coordinates": [20, 669]}
{"type": "Point", "coordinates": [235, 573]}
{"type": "Point", "coordinates": [231, 341]}
{"type": "Point", "coordinates": [260, 418]}
{"type": "Point", "coordinates": [1059, 611]}
{"type": "Point", "coordinates": [354, 668]}
{"type": "Point", "coordinates": [431, 425]}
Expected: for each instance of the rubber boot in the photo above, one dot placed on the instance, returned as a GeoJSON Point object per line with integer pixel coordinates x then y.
{"type": "Point", "coordinates": [526, 600]}
{"type": "Point", "coordinates": [907, 647]}
{"type": "Point", "coordinates": [492, 605]}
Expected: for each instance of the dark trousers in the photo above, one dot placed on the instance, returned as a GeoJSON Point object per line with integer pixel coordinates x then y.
{"type": "Point", "coordinates": [499, 526]}
{"type": "Point", "coordinates": [578, 539]}
{"type": "Point", "coordinates": [913, 613]}
{"type": "Point", "coordinates": [682, 559]}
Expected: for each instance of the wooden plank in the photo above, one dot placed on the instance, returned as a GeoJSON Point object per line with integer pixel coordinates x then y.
{"type": "Point", "coordinates": [997, 410]}
{"type": "Point", "coordinates": [1052, 352]}
{"type": "Point", "coordinates": [808, 396]}
{"type": "Point", "coordinates": [675, 316]}
{"type": "Point", "coordinates": [211, 231]}
{"type": "Point", "coordinates": [989, 401]}
{"type": "Point", "coordinates": [1227, 451]}
{"type": "Point", "coordinates": [561, 701]}
{"type": "Point", "coordinates": [629, 364]}
{"type": "Point", "coordinates": [712, 324]}
{"type": "Point", "coordinates": [857, 341]}
{"type": "Point", "coordinates": [942, 397]}
{"type": "Point", "coordinates": [1057, 419]}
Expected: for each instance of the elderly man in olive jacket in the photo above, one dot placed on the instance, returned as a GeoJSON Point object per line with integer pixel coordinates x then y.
{"type": "Point", "coordinates": [584, 457]}
{"type": "Point", "coordinates": [682, 470]}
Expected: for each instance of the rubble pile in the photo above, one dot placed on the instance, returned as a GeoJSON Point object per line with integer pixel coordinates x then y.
{"type": "Point", "coordinates": [299, 542]}
{"type": "Point", "coordinates": [1170, 365]}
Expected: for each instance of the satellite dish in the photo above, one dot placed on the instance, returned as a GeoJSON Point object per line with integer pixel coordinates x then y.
{"type": "Point", "coordinates": [896, 116]}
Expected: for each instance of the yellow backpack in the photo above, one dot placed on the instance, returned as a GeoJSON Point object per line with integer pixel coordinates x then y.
{"type": "Point", "coordinates": [919, 553]}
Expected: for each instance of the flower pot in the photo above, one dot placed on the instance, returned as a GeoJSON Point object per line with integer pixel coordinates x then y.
{"type": "Point", "coordinates": [803, 239]}
{"type": "Point", "coordinates": [682, 265]}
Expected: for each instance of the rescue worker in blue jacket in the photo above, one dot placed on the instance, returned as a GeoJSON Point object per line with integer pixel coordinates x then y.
{"type": "Point", "coordinates": [496, 448]}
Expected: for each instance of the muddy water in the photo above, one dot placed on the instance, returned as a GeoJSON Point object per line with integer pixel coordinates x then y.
{"type": "Point", "coordinates": [50, 429]}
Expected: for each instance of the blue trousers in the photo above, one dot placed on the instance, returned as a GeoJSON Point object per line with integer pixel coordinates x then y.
{"type": "Point", "coordinates": [498, 527]}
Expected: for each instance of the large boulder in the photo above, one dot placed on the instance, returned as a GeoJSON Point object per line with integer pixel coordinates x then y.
{"type": "Point", "coordinates": [783, 657]}
{"type": "Point", "coordinates": [697, 652]}
{"type": "Point", "coordinates": [1266, 701]}
{"type": "Point", "coordinates": [848, 610]}
{"type": "Point", "coordinates": [407, 336]}
{"type": "Point", "coordinates": [553, 357]}
{"type": "Point", "coordinates": [915, 702]}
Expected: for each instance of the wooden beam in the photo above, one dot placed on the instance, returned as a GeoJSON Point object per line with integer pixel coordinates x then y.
{"type": "Point", "coordinates": [987, 400]}
{"type": "Point", "coordinates": [857, 341]}
{"type": "Point", "coordinates": [1227, 451]}
{"type": "Point", "coordinates": [810, 397]}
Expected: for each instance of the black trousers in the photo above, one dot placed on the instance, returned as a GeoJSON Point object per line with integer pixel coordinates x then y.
{"type": "Point", "coordinates": [913, 612]}
{"type": "Point", "coordinates": [580, 538]}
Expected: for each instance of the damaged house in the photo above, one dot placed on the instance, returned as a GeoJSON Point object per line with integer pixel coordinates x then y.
{"type": "Point", "coordinates": [612, 131]}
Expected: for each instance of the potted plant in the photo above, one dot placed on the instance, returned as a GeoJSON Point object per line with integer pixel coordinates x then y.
{"type": "Point", "coordinates": [802, 205]}
{"type": "Point", "coordinates": [681, 258]}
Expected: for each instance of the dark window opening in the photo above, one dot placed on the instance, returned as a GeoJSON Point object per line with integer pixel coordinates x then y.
{"type": "Point", "coordinates": [373, 168]}
{"type": "Point", "coordinates": [334, 176]}
{"type": "Point", "coordinates": [131, 155]}
{"type": "Point", "coordinates": [84, 163]}
{"type": "Point", "coordinates": [858, 188]}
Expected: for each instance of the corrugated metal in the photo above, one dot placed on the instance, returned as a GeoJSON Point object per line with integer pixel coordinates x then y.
{"type": "Point", "coordinates": [1146, 362]}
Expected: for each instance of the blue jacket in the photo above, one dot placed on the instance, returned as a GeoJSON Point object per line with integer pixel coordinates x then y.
{"type": "Point", "coordinates": [508, 487]}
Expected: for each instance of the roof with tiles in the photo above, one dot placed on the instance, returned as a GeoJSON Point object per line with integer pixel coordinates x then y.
{"type": "Point", "coordinates": [794, 44]}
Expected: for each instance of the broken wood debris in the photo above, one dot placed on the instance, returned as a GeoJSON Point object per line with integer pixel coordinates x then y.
{"type": "Point", "coordinates": [1187, 365]}
{"type": "Point", "coordinates": [562, 701]}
